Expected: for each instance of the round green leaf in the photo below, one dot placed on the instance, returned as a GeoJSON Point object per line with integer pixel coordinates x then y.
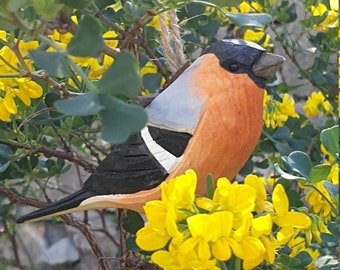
{"type": "Point", "coordinates": [299, 162]}
{"type": "Point", "coordinates": [329, 138]}
{"type": "Point", "coordinates": [281, 133]}
{"type": "Point", "coordinates": [122, 78]}
{"type": "Point", "coordinates": [249, 19]}
{"type": "Point", "coordinates": [319, 173]}
{"type": "Point", "coordinates": [120, 120]}
{"type": "Point", "coordinates": [152, 81]}
{"type": "Point", "coordinates": [88, 40]}
{"type": "Point", "coordinates": [53, 63]}
{"type": "Point", "coordinates": [87, 104]}
{"type": "Point", "coordinates": [132, 222]}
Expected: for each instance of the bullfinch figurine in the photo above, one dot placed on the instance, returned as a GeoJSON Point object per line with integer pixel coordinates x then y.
{"type": "Point", "coordinates": [209, 120]}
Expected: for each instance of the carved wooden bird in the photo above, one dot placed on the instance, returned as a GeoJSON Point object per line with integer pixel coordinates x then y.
{"type": "Point", "coordinates": [209, 119]}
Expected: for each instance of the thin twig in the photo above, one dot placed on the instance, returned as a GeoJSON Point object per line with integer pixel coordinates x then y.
{"type": "Point", "coordinates": [13, 241]}
{"type": "Point", "coordinates": [33, 115]}
{"type": "Point", "coordinates": [153, 58]}
{"type": "Point", "coordinates": [70, 156]}
{"type": "Point", "coordinates": [18, 199]}
{"type": "Point", "coordinates": [96, 12]}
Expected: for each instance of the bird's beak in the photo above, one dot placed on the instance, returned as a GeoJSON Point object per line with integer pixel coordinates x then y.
{"type": "Point", "coordinates": [267, 65]}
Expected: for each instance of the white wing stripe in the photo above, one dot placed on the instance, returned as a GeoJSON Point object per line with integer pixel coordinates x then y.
{"type": "Point", "coordinates": [166, 159]}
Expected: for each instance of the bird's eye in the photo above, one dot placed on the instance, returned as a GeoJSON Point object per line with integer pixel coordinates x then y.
{"type": "Point", "coordinates": [233, 67]}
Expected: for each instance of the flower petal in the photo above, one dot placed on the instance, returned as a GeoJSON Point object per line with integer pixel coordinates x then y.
{"type": "Point", "coordinates": [221, 249]}
{"type": "Point", "coordinates": [293, 219]}
{"type": "Point", "coordinates": [280, 200]}
{"type": "Point", "coordinates": [148, 239]}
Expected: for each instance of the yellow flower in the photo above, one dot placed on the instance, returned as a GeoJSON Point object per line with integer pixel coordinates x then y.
{"type": "Point", "coordinates": [234, 197]}
{"type": "Point", "coordinates": [245, 7]}
{"type": "Point", "coordinates": [314, 231]}
{"type": "Point", "coordinates": [276, 113]}
{"type": "Point", "coordinates": [334, 174]}
{"type": "Point", "coordinates": [287, 106]}
{"type": "Point", "coordinates": [200, 227]}
{"type": "Point", "coordinates": [257, 183]}
{"type": "Point", "coordinates": [10, 88]}
{"type": "Point", "coordinates": [321, 201]}
{"type": "Point", "coordinates": [222, 242]}
{"type": "Point", "coordinates": [285, 218]}
{"type": "Point", "coordinates": [254, 252]}
{"type": "Point", "coordinates": [258, 36]}
{"type": "Point", "coordinates": [261, 225]}
{"type": "Point", "coordinates": [298, 244]}
{"type": "Point", "coordinates": [181, 190]}
{"type": "Point", "coordinates": [154, 22]}
{"type": "Point", "coordinates": [317, 105]}
{"type": "Point", "coordinates": [3, 35]}
{"type": "Point", "coordinates": [331, 19]}
{"type": "Point", "coordinates": [177, 195]}
{"type": "Point", "coordinates": [149, 67]}
{"type": "Point", "coordinates": [153, 237]}
{"type": "Point", "coordinates": [110, 38]}
{"type": "Point", "coordinates": [9, 103]}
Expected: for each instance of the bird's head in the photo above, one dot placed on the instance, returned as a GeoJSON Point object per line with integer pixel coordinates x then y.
{"type": "Point", "coordinates": [240, 56]}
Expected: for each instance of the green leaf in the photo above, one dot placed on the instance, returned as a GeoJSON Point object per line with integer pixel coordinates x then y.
{"type": "Point", "coordinates": [5, 151]}
{"type": "Point", "coordinates": [299, 162]}
{"type": "Point", "coordinates": [329, 138]}
{"type": "Point", "coordinates": [223, 3]}
{"type": "Point", "coordinates": [53, 63]}
{"type": "Point", "coordinates": [304, 258]}
{"type": "Point", "coordinates": [131, 9]}
{"type": "Point", "coordinates": [319, 173]}
{"type": "Point", "coordinates": [282, 148]}
{"type": "Point", "coordinates": [131, 244]}
{"type": "Point", "coordinates": [7, 25]}
{"type": "Point", "coordinates": [47, 9]}
{"type": "Point", "coordinates": [281, 133]}
{"type": "Point", "coordinates": [249, 19]}
{"type": "Point", "coordinates": [77, 4]}
{"type": "Point", "coordinates": [132, 222]}
{"type": "Point", "coordinates": [210, 186]}
{"type": "Point", "coordinates": [331, 188]}
{"type": "Point", "coordinates": [87, 104]}
{"type": "Point", "coordinates": [120, 120]}
{"type": "Point", "coordinates": [122, 78]}
{"type": "Point", "coordinates": [294, 198]}
{"type": "Point", "coordinates": [14, 5]}
{"type": "Point", "coordinates": [152, 81]}
{"type": "Point", "coordinates": [88, 41]}
{"type": "Point", "coordinates": [4, 166]}
{"type": "Point", "coordinates": [285, 175]}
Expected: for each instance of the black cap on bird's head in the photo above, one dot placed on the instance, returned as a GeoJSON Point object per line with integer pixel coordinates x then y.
{"type": "Point", "coordinates": [240, 56]}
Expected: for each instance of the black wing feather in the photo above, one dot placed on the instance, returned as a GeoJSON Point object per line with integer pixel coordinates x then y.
{"type": "Point", "coordinates": [129, 168]}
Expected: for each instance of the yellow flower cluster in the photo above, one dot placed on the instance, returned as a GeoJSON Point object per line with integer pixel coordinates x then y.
{"type": "Point", "coordinates": [318, 197]}
{"type": "Point", "coordinates": [12, 83]}
{"type": "Point", "coordinates": [331, 19]}
{"type": "Point", "coordinates": [297, 245]}
{"type": "Point", "coordinates": [95, 66]}
{"type": "Point", "coordinates": [276, 113]}
{"type": "Point", "coordinates": [317, 105]}
{"type": "Point", "coordinates": [188, 232]}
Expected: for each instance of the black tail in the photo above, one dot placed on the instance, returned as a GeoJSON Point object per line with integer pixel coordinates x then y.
{"type": "Point", "coordinates": [70, 202]}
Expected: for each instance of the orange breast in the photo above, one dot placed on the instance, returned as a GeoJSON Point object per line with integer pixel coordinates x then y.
{"type": "Point", "coordinates": [229, 128]}
{"type": "Point", "coordinates": [225, 135]}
